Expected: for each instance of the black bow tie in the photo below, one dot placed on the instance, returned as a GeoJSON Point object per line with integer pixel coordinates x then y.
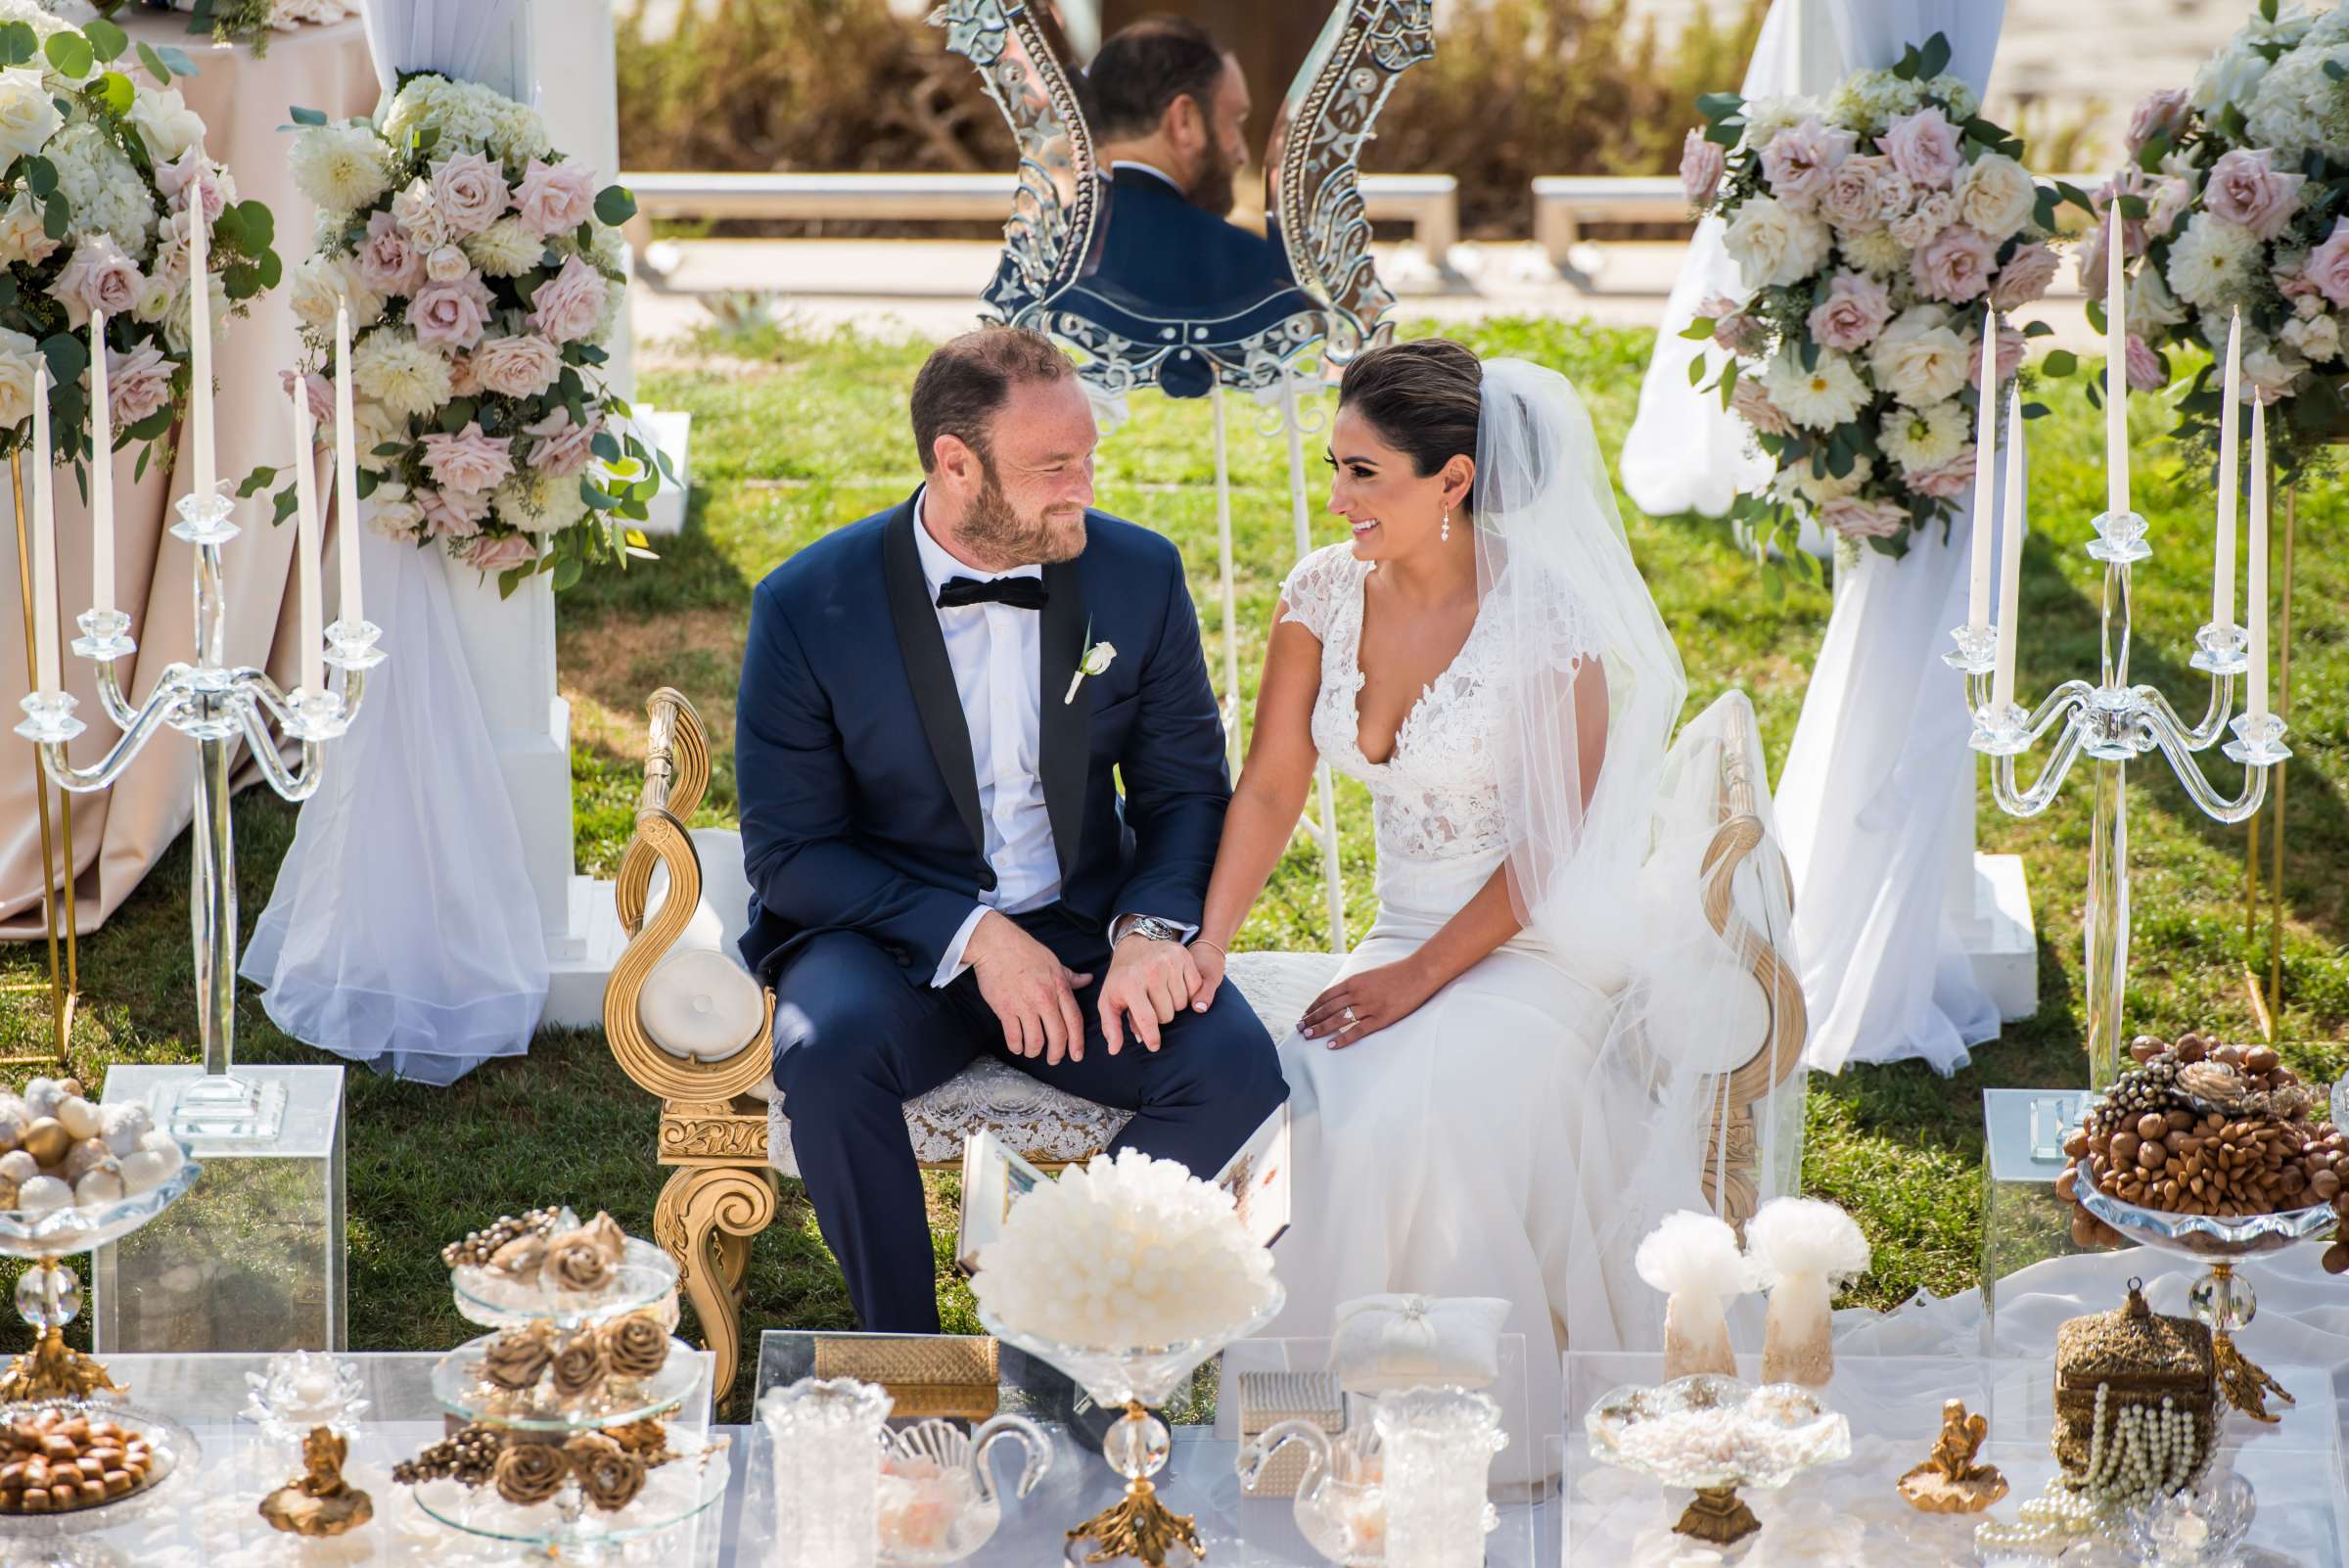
{"type": "Point", "coordinates": [1020, 593]}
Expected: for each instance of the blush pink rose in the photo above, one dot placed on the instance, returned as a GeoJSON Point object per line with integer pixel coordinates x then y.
{"type": "Point", "coordinates": [563, 448]}
{"type": "Point", "coordinates": [1859, 191]}
{"type": "Point", "coordinates": [2143, 367]}
{"type": "Point", "coordinates": [1753, 405]}
{"type": "Point", "coordinates": [1854, 311]}
{"type": "Point", "coordinates": [98, 276]}
{"type": "Point", "coordinates": [2157, 114]}
{"type": "Point", "coordinates": [555, 197]}
{"type": "Point", "coordinates": [1801, 159]}
{"type": "Point", "coordinates": [452, 513]}
{"type": "Point", "coordinates": [1924, 147]}
{"type": "Point", "coordinates": [2009, 356]}
{"type": "Point", "coordinates": [137, 383]}
{"type": "Point", "coordinates": [2243, 188]}
{"type": "Point", "coordinates": [2173, 198]}
{"type": "Point", "coordinates": [469, 193]}
{"type": "Point", "coordinates": [468, 460]}
{"type": "Point", "coordinates": [321, 396]}
{"type": "Point", "coordinates": [1953, 265]}
{"type": "Point", "coordinates": [462, 382]}
{"type": "Point", "coordinates": [2328, 267]}
{"type": "Point", "coordinates": [191, 169]}
{"type": "Point", "coordinates": [567, 305]}
{"type": "Point", "coordinates": [498, 552]}
{"type": "Point", "coordinates": [1857, 519]}
{"type": "Point", "coordinates": [389, 264]}
{"type": "Point", "coordinates": [1733, 329]}
{"type": "Point", "coordinates": [2129, 182]}
{"type": "Point", "coordinates": [2025, 278]}
{"type": "Point", "coordinates": [1949, 478]}
{"type": "Point", "coordinates": [518, 367]}
{"type": "Point", "coordinates": [452, 312]}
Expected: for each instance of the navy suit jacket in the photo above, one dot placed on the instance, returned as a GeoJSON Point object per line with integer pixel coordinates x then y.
{"type": "Point", "coordinates": [852, 759]}
{"type": "Point", "coordinates": [1169, 258]}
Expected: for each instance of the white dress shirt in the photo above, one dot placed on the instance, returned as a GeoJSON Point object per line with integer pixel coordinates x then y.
{"type": "Point", "coordinates": [996, 652]}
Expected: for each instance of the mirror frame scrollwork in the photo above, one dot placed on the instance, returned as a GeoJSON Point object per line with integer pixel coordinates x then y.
{"type": "Point", "coordinates": [1338, 307]}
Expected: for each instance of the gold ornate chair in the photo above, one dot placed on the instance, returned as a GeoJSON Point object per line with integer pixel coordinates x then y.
{"type": "Point", "coordinates": [691, 1025]}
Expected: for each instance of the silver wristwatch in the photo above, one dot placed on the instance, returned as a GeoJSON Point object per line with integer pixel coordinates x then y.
{"type": "Point", "coordinates": [1152, 927]}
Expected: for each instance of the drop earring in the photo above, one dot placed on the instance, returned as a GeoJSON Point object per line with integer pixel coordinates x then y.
{"type": "Point", "coordinates": [1445, 532]}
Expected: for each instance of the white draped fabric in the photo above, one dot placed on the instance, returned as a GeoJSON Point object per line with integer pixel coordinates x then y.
{"type": "Point", "coordinates": [1873, 786]}
{"type": "Point", "coordinates": [403, 931]}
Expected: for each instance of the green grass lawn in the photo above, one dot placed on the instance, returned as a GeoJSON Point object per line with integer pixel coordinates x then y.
{"type": "Point", "coordinates": [797, 435]}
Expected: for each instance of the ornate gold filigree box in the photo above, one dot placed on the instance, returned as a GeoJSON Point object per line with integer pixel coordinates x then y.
{"type": "Point", "coordinates": [2139, 1358]}
{"type": "Point", "coordinates": [958, 1380]}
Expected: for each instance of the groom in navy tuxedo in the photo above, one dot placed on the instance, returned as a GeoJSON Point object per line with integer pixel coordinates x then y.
{"type": "Point", "coordinates": [940, 861]}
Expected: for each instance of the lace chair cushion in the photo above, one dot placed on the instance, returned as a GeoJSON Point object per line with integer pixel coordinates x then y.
{"type": "Point", "coordinates": [1043, 1123]}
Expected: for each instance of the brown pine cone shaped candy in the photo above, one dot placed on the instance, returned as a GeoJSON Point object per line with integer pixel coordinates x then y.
{"type": "Point", "coordinates": [647, 1439]}
{"type": "Point", "coordinates": [530, 1473]}
{"type": "Point", "coordinates": [518, 1357]}
{"type": "Point", "coordinates": [635, 1345]}
{"type": "Point", "coordinates": [578, 1260]}
{"type": "Point", "coordinates": [608, 1473]}
{"type": "Point", "coordinates": [579, 1365]}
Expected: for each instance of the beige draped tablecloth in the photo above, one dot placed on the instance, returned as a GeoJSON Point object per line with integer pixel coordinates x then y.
{"type": "Point", "coordinates": [119, 833]}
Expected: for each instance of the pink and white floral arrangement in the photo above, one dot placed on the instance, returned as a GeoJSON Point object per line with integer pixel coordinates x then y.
{"type": "Point", "coordinates": [99, 161]}
{"type": "Point", "coordinates": [483, 273]}
{"type": "Point", "coordinates": [2238, 199]}
{"type": "Point", "coordinates": [1871, 233]}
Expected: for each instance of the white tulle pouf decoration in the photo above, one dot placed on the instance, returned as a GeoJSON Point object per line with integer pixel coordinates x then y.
{"type": "Point", "coordinates": [1801, 1250]}
{"type": "Point", "coordinates": [1694, 1259]}
{"type": "Point", "coordinates": [1123, 1253]}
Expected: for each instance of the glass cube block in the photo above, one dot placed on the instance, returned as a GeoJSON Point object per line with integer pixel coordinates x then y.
{"type": "Point", "coordinates": [2023, 1220]}
{"type": "Point", "coordinates": [253, 1257]}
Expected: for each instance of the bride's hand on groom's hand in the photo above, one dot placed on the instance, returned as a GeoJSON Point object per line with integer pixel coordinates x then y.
{"type": "Point", "coordinates": [1364, 1003]}
{"type": "Point", "coordinates": [1033, 993]}
{"type": "Point", "coordinates": [1149, 983]}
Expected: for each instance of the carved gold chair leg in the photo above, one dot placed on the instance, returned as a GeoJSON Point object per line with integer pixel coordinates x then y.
{"type": "Point", "coordinates": [705, 1220]}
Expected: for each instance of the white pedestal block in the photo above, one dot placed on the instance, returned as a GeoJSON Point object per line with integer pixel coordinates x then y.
{"type": "Point", "coordinates": [1987, 906]}
{"type": "Point", "coordinates": [672, 430]}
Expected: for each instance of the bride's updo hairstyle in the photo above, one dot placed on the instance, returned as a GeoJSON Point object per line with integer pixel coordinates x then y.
{"type": "Point", "coordinates": [1423, 398]}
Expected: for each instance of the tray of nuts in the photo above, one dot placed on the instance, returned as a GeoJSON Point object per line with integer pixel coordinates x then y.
{"type": "Point", "coordinates": [2206, 1147]}
{"type": "Point", "coordinates": [61, 1458]}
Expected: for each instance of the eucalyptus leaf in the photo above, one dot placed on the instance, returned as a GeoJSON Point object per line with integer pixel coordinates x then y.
{"type": "Point", "coordinates": [106, 41]}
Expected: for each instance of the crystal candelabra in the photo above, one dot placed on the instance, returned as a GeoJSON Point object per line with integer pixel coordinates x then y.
{"type": "Point", "coordinates": [2113, 723]}
{"type": "Point", "coordinates": [214, 705]}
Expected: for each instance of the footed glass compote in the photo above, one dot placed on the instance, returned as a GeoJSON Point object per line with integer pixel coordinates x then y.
{"type": "Point", "coordinates": [1137, 1443]}
{"type": "Point", "coordinates": [2222, 1300]}
{"type": "Point", "coordinates": [1714, 1434]}
{"type": "Point", "coordinates": [53, 1539]}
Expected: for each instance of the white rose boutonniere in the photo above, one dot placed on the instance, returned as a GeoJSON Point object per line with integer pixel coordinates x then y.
{"type": "Point", "coordinates": [1092, 662]}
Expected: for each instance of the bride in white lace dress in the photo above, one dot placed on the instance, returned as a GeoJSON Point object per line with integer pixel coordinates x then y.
{"type": "Point", "coordinates": [1483, 1103]}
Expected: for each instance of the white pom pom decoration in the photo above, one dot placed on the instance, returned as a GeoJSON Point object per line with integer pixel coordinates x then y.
{"type": "Point", "coordinates": [1804, 1236]}
{"type": "Point", "coordinates": [1692, 1254]}
{"type": "Point", "coordinates": [1125, 1254]}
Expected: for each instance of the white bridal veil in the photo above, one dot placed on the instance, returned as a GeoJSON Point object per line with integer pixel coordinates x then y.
{"type": "Point", "coordinates": [1627, 870]}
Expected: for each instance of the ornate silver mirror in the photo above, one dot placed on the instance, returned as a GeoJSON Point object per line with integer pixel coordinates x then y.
{"type": "Point", "coordinates": [1119, 242]}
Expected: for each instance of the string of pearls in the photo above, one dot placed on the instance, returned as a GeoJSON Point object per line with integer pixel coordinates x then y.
{"type": "Point", "coordinates": [2139, 1454]}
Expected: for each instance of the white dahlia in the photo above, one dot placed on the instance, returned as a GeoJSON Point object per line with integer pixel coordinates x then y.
{"type": "Point", "coordinates": [1821, 397]}
{"type": "Point", "coordinates": [406, 376]}
{"type": "Point", "coordinates": [341, 167]}
{"type": "Point", "coordinates": [2214, 263]}
{"type": "Point", "coordinates": [1923, 438]}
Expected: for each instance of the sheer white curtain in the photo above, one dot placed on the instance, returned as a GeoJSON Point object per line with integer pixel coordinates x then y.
{"type": "Point", "coordinates": [403, 931]}
{"type": "Point", "coordinates": [1878, 778]}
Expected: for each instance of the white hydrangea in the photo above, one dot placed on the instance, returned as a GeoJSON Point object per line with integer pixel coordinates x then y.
{"type": "Point", "coordinates": [467, 116]}
{"type": "Point", "coordinates": [1964, 102]}
{"type": "Point", "coordinates": [2299, 107]}
{"type": "Point", "coordinates": [104, 188]}
{"type": "Point", "coordinates": [408, 378]}
{"type": "Point", "coordinates": [38, 18]}
{"type": "Point", "coordinates": [1125, 1253]}
{"type": "Point", "coordinates": [505, 248]}
{"type": "Point", "coordinates": [610, 251]}
{"type": "Point", "coordinates": [1923, 438]}
{"type": "Point", "coordinates": [2292, 25]}
{"type": "Point", "coordinates": [2214, 263]}
{"type": "Point", "coordinates": [2229, 77]}
{"type": "Point", "coordinates": [538, 503]}
{"type": "Point", "coordinates": [1868, 99]}
{"type": "Point", "coordinates": [1821, 397]}
{"type": "Point", "coordinates": [1764, 118]}
{"type": "Point", "coordinates": [339, 168]}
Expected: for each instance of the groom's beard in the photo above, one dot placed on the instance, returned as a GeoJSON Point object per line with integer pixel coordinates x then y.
{"type": "Point", "coordinates": [995, 528]}
{"type": "Point", "coordinates": [1210, 188]}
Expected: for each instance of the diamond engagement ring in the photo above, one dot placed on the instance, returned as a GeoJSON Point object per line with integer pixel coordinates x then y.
{"type": "Point", "coordinates": [1350, 1020]}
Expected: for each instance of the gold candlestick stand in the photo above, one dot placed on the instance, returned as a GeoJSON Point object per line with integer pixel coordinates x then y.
{"type": "Point", "coordinates": [64, 985]}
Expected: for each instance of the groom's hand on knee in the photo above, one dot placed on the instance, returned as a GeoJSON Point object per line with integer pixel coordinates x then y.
{"type": "Point", "coordinates": [1033, 993]}
{"type": "Point", "coordinates": [1149, 981]}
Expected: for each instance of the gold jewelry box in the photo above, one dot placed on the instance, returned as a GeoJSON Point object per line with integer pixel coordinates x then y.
{"type": "Point", "coordinates": [1267, 1399]}
{"type": "Point", "coordinates": [955, 1378]}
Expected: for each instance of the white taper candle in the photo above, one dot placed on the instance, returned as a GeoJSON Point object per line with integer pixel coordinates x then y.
{"type": "Point", "coordinates": [200, 347]}
{"type": "Point", "coordinates": [1986, 462]}
{"type": "Point", "coordinates": [2258, 578]}
{"type": "Point", "coordinates": [305, 515]}
{"type": "Point", "coordinates": [44, 544]}
{"type": "Point", "coordinates": [2116, 370]}
{"type": "Point", "coordinates": [102, 474]}
{"type": "Point", "coordinates": [2011, 557]}
{"type": "Point", "coordinates": [346, 475]}
{"type": "Point", "coordinates": [2221, 582]}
